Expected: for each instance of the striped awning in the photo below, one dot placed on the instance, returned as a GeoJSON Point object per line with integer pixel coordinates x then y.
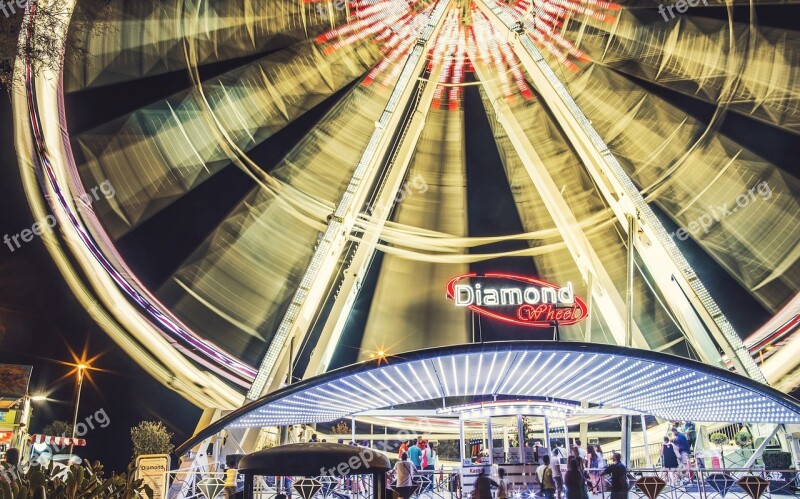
{"type": "Point", "coordinates": [60, 441]}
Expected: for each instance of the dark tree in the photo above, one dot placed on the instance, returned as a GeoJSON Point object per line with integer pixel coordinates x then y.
{"type": "Point", "coordinates": [56, 30]}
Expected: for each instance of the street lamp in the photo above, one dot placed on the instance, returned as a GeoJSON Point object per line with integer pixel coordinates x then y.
{"type": "Point", "coordinates": [81, 372]}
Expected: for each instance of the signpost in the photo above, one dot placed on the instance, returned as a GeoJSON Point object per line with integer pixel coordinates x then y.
{"type": "Point", "coordinates": [153, 468]}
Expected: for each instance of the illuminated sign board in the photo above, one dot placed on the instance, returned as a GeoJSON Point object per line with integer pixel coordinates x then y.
{"type": "Point", "coordinates": [521, 300]}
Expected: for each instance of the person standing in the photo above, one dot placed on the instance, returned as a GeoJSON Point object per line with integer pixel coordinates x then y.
{"type": "Point", "coordinates": [483, 486]}
{"type": "Point", "coordinates": [574, 482]}
{"type": "Point", "coordinates": [428, 462]}
{"type": "Point", "coordinates": [575, 455]}
{"type": "Point", "coordinates": [505, 488]}
{"type": "Point", "coordinates": [415, 453]}
{"type": "Point", "coordinates": [581, 450]}
{"type": "Point", "coordinates": [545, 474]}
{"type": "Point", "coordinates": [680, 441]}
{"type": "Point", "coordinates": [231, 474]}
{"type": "Point", "coordinates": [592, 464]}
{"type": "Point", "coordinates": [669, 460]}
{"type": "Point", "coordinates": [691, 434]}
{"type": "Point", "coordinates": [558, 476]}
{"type": "Point", "coordinates": [601, 460]}
{"type": "Point", "coordinates": [314, 438]}
{"type": "Point", "coordinates": [403, 448]}
{"type": "Point", "coordinates": [404, 472]}
{"type": "Point", "coordinates": [619, 477]}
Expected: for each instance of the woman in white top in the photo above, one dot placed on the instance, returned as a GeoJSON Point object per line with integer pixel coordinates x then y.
{"type": "Point", "coordinates": [404, 471]}
{"type": "Point", "coordinates": [428, 461]}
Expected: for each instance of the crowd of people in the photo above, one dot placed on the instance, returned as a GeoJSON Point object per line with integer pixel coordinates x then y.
{"type": "Point", "coordinates": [586, 469]}
{"type": "Point", "coordinates": [676, 451]}
{"type": "Point", "coordinates": [414, 455]}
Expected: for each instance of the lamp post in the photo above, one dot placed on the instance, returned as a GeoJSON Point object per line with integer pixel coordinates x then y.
{"type": "Point", "coordinates": [81, 371]}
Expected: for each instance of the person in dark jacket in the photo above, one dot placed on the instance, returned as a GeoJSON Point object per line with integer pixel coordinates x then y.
{"type": "Point", "coordinates": [619, 477]}
{"type": "Point", "coordinates": [574, 482]}
{"type": "Point", "coordinates": [484, 484]}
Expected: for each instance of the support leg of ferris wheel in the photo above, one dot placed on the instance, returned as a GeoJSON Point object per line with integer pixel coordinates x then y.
{"type": "Point", "coordinates": [696, 311]}
{"type": "Point", "coordinates": [356, 270]}
{"type": "Point", "coordinates": [604, 294]}
{"type": "Point", "coordinates": [308, 298]}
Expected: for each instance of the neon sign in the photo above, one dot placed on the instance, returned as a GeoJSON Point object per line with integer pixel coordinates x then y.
{"type": "Point", "coordinates": [521, 300]}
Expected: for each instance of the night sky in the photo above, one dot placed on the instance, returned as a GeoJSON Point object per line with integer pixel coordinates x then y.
{"type": "Point", "coordinates": [40, 320]}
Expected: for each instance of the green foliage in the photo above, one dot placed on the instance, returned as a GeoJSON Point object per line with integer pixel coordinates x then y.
{"type": "Point", "coordinates": [777, 460]}
{"type": "Point", "coordinates": [76, 482]}
{"type": "Point", "coordinates": [743, 438]}
{"type": "Point", "coordinates": [718, 438]}
{"type": "Point", "coordinates": [448, 450]}
{"type": "Point", "coordinates": [58, 428]}
{"type": "Point", "coordinates": [151, 437]}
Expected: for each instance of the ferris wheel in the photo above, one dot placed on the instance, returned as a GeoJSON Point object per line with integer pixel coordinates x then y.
{"type": "Point", "coordinates": [264, 190]}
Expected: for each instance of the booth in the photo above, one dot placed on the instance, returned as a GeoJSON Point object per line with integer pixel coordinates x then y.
{"type": "Point", "coordinates": [505, 442]}
{"type": "Point", "coordinates": [334, 469]}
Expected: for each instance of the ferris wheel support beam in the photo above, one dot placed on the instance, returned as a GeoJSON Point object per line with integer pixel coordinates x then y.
{"type": "Point", "coordinates": [353, 277]}
{"type": "Point", "coordinates": [299, 316]}
{"type": "Point", "coordinates": [604, 293]}
{"type": "Point", "coordinates": [695, 309]}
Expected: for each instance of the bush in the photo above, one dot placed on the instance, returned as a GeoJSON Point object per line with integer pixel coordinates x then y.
{"type": "Point", "coordinates": [58, 428]}
{"type": "Point", "coordinates": [718, 438]}
{"type": "Point", "coordinates": [151, 437]}
{"type": "Point", "coordinates": [84, 481]}
{"type": "Point", "coordinates": [743, 438]}
{"type": "Point", "coordinates": [777, 460]}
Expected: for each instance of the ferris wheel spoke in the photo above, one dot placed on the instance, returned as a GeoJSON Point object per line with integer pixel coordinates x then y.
{"type": "Point", "coordinates": [157, 154]}
{"type": "Point", "coordinates": [147, 38]}
{"type": "Point", "coordinates": [643, 45]}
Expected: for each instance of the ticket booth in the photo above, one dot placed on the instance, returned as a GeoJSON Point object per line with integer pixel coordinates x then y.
{"type": "Point", "coordinates": [503, 441]}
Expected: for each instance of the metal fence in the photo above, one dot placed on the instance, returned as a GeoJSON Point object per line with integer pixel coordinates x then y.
{"type": "Point", "coordinates": [711, 483]}
{"type": "Point", "coordinates": [428, 484]}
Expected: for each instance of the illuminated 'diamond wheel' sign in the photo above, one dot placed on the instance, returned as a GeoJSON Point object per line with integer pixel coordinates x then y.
{"type": "Point", "coordinates": [753, 485]}
{"type": "Point", "coordinates": [650, 486]}
{"type": "Point", "coordinates": [307, 487]}
{"type": "Point", "coordinates": [211, 487]}
{"type": "Point", "coordinates": [721, 483]}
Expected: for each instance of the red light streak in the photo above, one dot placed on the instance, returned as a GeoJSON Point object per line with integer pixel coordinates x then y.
{"type": "Point", "coordinates": [395, 25]}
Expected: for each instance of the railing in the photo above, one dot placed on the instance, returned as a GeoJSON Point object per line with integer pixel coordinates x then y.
{"type": "Point", "coordinates": [183, 482]}
{"type": "Point", "coordinates": [638, 456]}
{"type": "Point", "coordinates": [428, 484]}
{"type": "Point", "coordinates": [711, 483]}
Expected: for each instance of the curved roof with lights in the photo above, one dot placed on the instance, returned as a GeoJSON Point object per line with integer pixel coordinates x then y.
{"type": "Point", "coordinates": [641, 381]}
